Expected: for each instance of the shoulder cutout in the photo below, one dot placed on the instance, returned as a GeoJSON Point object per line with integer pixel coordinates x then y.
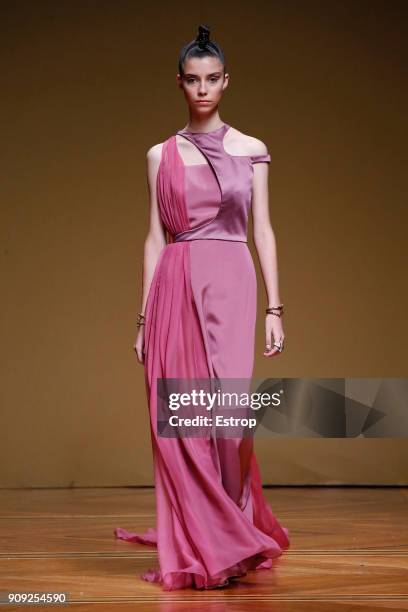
{"type": "Point", "coordinates": [260, 151]}
{"type": "Point", "coordinates": [238, 144]}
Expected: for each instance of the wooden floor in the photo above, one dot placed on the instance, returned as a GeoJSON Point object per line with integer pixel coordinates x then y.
{"type": "Point", "coordinates": [349, 551]}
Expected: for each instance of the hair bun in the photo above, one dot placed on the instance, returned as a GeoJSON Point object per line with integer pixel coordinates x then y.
{"type": "Point", "coordinates": [203, 36]}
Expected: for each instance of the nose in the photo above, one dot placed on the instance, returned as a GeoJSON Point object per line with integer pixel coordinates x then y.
{"type": "Point", "coordinates": [202, 89]}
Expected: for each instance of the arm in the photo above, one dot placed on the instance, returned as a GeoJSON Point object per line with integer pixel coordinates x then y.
{"type": "Point", "coordinates": [265, 243]}
{"type": "Point", "coordinates": [155, 240]}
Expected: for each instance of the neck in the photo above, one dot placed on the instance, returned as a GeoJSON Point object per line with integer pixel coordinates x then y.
{"type": "Point", "coordinates": [204, 124]}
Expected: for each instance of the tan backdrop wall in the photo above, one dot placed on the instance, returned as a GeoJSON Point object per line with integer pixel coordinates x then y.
{"type": "Point", "coordinates": [87, 88]}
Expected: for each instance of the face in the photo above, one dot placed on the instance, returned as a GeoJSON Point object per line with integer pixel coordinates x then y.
{"type": "Point", "coordinates": [203, 83]}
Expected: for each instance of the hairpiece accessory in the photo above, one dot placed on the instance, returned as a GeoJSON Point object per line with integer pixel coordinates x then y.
{"type": "Point", "coordinates": [203, 36]}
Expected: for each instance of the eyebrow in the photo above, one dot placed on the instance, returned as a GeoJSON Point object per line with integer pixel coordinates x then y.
{"type": "Point", "coordinates": [189, 74]}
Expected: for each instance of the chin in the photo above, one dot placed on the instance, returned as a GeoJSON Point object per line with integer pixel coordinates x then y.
{"type": "Point", "coordinates": [204, 110]}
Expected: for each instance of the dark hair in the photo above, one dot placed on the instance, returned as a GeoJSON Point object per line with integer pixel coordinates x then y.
{"type": "Point", "coordinates": [201, 46]}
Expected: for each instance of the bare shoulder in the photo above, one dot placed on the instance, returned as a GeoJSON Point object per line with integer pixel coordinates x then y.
{"type": "Point", "coordinates": [154, 154]}
{"type": "Point", "coordinates": [247, 145]}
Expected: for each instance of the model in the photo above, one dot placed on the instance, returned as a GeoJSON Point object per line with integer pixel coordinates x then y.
{"type": "Point", "coordinates": [197, 320]}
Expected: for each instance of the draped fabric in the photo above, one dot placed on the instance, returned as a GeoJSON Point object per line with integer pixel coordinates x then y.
{"type": "Point", "coordinates": [170, 189]}
{"type": "Point", "coordinates": [203, 535]}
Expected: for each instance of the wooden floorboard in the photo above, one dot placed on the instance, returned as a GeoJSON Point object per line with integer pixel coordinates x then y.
{"type": "Point", "coordinates": [349, 551]}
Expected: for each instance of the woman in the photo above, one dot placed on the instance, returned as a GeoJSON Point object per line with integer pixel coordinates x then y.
{"type": "Point", "coordinates": [198, 321]}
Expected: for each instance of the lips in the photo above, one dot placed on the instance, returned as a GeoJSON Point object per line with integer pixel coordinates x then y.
{"type": "Point", "coordinates": [203, 102]}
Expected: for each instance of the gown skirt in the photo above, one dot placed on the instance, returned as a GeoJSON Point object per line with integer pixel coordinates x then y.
{"type": "Point", "coordinates": [213, 522]}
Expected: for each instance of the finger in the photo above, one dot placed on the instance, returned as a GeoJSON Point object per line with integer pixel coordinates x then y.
{"type": "Point", "coordinates": [271, 351]}
{"type": "Point", "coordinates": [271, 348]}
{"type": "Point", "coordinates": [278, 347]}
{"type": "Point", "coordinates": [268, 340]}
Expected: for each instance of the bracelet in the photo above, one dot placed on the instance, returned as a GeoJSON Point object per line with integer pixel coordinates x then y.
{"type": "Point", "coordinates": [271, 310]}
{"type": "Point", "coordinates": [141, 319]}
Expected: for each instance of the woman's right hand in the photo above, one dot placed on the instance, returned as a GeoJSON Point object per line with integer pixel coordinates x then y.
{"type": "Point", "coordinates": [139, 344]}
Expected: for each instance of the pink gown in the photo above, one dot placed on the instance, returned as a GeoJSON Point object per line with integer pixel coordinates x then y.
{"type": "Point", "coordinates": [212, 520]}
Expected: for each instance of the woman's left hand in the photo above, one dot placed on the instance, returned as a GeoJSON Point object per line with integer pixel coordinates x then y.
{"type": "Point", "coordinates": [273, 334]}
